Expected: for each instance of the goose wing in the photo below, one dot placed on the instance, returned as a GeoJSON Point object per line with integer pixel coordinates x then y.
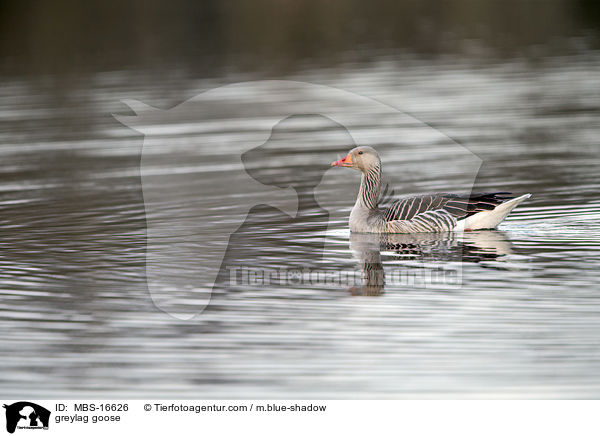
{"type": "Point", "coordinates": [453, 205]}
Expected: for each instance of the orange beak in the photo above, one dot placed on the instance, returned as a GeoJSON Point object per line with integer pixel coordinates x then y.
{"type": "Point", "coordinates": [344, 162]}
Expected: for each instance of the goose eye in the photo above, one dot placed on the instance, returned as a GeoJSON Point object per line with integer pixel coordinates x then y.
{"type": "Point", "coordinates": [360, 152]}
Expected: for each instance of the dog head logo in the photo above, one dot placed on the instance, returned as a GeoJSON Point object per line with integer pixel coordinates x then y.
{"type": "Point", "coordinates": [26, 415]}
{"type": "Point", "coordinates": [204, 166]}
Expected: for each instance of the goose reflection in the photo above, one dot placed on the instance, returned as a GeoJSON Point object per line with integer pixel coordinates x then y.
{"type": "Point", "coordinates": [422, 251]}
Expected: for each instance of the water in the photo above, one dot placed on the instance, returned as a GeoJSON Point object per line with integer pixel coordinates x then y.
{"type": "Point", "coordinates": [524, 321]}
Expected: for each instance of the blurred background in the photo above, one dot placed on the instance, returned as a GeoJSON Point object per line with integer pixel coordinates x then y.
{"type": "Point", "coordinates": [515, 81]}
{"type": "Point", "coordinates": [211, 38]}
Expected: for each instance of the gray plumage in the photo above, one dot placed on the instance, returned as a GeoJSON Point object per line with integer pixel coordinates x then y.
{"type": "Point", "coordinates": [428, 213]}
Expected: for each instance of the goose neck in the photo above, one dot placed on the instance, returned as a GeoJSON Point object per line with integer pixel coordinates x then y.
{"type": "Point", "coordinates": [370, 185]}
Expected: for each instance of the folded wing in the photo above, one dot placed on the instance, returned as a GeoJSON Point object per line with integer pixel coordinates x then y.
{"type": "Point", "coordinates": [454, 205]}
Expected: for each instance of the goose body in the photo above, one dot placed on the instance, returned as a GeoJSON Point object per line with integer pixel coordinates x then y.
{"type": "Point", "coordinates": [429, 213]}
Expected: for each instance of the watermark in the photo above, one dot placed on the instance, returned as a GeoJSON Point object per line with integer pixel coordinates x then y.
{"type": "Point", "coordinates": [227, 169]}
{"type": "Point", "coordinates": [421, 277]}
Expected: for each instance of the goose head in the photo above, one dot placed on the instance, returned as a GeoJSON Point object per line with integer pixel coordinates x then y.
{"type": "Point", "coordinates": [362, 158]}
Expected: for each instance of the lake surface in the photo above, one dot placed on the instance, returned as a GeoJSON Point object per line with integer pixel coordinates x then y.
{"type": "Point", "coordinates": [77, 220]}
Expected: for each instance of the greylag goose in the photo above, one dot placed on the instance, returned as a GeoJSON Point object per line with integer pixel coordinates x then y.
{"type": "Point", "coordinates": [428, 213]}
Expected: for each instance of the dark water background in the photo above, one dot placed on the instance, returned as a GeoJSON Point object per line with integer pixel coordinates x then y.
{"type": "Point", "coordinates": [518, 85]}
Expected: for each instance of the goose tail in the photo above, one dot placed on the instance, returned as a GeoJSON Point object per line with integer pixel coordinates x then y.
{"type": "Point", "coordinates": [490, 219]}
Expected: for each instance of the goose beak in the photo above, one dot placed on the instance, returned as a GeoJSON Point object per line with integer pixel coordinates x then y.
{"type": "Point", "coordinates": [344, 162]}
